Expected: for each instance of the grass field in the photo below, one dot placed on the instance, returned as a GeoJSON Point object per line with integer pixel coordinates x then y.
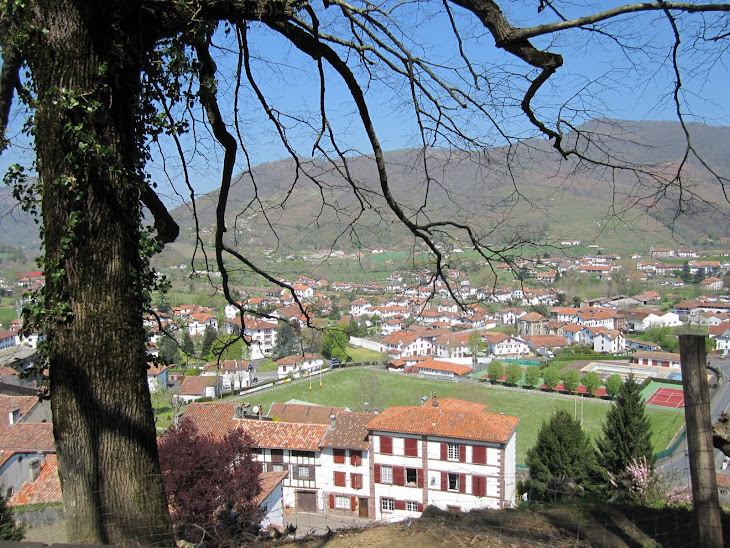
{"type": "Point", "coordinates": [363, 354]}
{"type": "Point", "coordinates": [350, 388]}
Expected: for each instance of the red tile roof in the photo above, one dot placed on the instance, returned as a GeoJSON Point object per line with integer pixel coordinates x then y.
{"type": "Point", "coordinates": [196, 385]}
{"type": "Point", "coordinates": [27, 436]}
{"type": "Point", "coordinates": [447, 367]}
{"type": "Point", "coordinates": [350, 431]}
{"type": "Point", "coordinates": [10, 403]}
{"type": "Point", "coordinates": [46, 488]}
{"type": "Point", "coordinates": [302, 413]}
{"type": "Point", "coordinates": [217, 418]}
{"type": "Point", "coordinates": [268, 482]}
{"type": "Point", "coordinates": [451, 419]}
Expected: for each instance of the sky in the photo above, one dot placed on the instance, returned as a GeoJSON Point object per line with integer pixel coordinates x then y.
{"type": "Point", "coordinates": [599, 78]}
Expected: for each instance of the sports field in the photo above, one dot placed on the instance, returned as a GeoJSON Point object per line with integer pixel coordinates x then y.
{"type": "Point", "coordinates": [663, 395]}
{"type": "Point", "coordinates": [352, 387]}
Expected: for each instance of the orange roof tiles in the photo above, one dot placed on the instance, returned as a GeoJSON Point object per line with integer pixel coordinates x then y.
{"type": "Point", "coordinates": [303, 414]}
{"type": "Point", "coordinates": [46, 488]}
{"type": "Point", "coordinates": [217, 418]}
{"type": "Point", "coordinates": [447, 367]}
{"type": "Point", "coordinates": [269, 481]}
{"type": "Point", "coordinates": [451, 419]}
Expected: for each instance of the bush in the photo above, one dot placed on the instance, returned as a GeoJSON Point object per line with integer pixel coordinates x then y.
{"type": "Point", "coordinates": [613, 385]}
{"type": "Point", "coordinates": [514, 373]}
{"type": "Point", "coordinates": [592, 381]}
{"type": "Point", "coordinates": [551, 378]}
{"type": "Point", "coordinates": [532, 375]}
{"type": "Point", "coordinates": [571, 380]}
{"type": "Point", "coordinates": [495, 371]}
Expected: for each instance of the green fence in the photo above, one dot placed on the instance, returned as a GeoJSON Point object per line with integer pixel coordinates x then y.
{"type": "Point", "coordinates": [521, 362]}
{"type": "Point", "coordinates": [672, 448]}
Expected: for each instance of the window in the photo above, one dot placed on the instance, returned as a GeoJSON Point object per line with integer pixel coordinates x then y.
{"type": "Point", "coordinates": [387, 505]}
{"type": "Point", "coordinates": [339, 456]}
{"type": "Point", "coordinates": [453, 482]}
{"type": "Point", "coordinates": [277, 467]}
{"type": "Point", "coordinates": [342, 502]}
{"type": "Point", "coordinates": [356, 481]}
{"type": "Point", "coordinates": [453, 451]}
{"type": "Point", "coordinates": [355, 458]}
{"type": "Point", "coordinates": [411, 506]}
{"type": "Point", "coordinates": [411, 447]}
{"type": "Point", "coordinates": [411, 476]}
{"type": "Point", "coordinates": [277, 455]}
{"type": "Point", "coordinates": [386, 474]}
{"type": "Point", "coordinates": [303, 472]}
{"type": "Point", "coordinates": [340, 479]}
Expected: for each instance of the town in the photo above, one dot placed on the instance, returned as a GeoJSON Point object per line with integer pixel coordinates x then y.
{"type": "Point", "coordinates": [372, 460]}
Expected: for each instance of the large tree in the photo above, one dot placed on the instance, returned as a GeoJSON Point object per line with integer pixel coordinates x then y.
{"type": "Point", "coordinates": [562, 462]}
{"type": "Point", "coordinates": [212, 484]}
{"type": "Point", "coordinates": [104, 81]}
{"type": "Point", "coordinates": [626, 432]}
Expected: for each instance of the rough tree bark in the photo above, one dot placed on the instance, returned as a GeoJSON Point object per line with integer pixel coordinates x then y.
{"type": "Point", "coordinates": [88, 145]}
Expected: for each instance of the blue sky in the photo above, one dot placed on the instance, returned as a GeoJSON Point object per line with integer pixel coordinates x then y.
{"type": "Point", "coordinates": [599, 78]}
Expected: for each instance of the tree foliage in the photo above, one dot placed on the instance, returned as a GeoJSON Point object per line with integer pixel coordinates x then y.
{"type": "Point", "coordinates": [614, 383]}
{"type": "Point", "coordinates": [562, 462]}
{"type": "Point", "coordinates": [532, 375]}
{"type": "Point", "coordinates": [211, 485]}
{"type": "Point", "coordinates": [495, 371]}
{"type": "Point", "coordinates": [287, 341]}
{"type": "Point", "coordinates": [571, 380]}
{"type": "Point", "coordinates": [209, 337]}
{"type": "Point", "coordinates": [334, 344]}
{"type": "Point", "coordinates": [187, 345]}
{"type": "Point", "coordinates": [10, 530]}
{"type": "Point", "coordinates": [626, 432]}
{"type": "Point", "coordinates": [169, 350]}
{"type": "Point", "coordinates": [513, 373]}
{"type": "Point", "coordinates": [551, 377]}
{"type": "Point", "coordinates": [592, 381]}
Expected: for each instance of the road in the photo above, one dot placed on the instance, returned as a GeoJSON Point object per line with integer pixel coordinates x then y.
{"type": "Point", "coordinates": [677, 466]}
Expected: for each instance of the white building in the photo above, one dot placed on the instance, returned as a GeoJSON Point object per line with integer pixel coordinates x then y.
{"type": "Point", "coordinates": [449, 453]}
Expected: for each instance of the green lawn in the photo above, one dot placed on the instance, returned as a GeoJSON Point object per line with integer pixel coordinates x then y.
{"type": "Point", "coordinates": [349, 388]}
{"type": "Point", "coordinates": [364, 355]}
{"type": "Point", "coordinates": [7, 315]}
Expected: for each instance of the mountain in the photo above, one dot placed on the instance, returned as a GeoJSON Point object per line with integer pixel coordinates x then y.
{"type": "Point", "coordinates": [506, 194]}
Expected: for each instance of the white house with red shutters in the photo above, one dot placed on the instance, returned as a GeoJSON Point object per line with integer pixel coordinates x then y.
{"type": "Point", "coordinates": [449, 453]}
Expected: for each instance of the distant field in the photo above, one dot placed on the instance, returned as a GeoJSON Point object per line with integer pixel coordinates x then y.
{"type": "Point", "coordinates": [363, 354]}
{"type": "Point", "coordinates": [350, 388]}
{"type": "Point", "coordinates": [7, 315]}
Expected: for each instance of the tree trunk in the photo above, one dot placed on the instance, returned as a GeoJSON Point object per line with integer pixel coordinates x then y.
{"type": "Point", "coordinates": [85, 61]}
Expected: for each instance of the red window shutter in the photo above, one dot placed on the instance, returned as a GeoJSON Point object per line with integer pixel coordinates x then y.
{"type": "Point", "coordinates": [400, 505]}
{"type": "Point", "coordinates": [479, 454]}
{"type": "Point", "coordinates": [411, 447]}
{"type": "Point", "coordinates": [462, 483]}
{"type": "Point", "coordinates": [444, 451]}
{"type": "Point", "coordinates": [420, 507]}
{"type": "Point", "coordinates": [340, 479]}
{"type": "Point", "coordinates": [339, 456]}
{"type": "Point", "coordinates": [355, 458]}
{"type": "Point", "coordinates": [356, 481]}
{"type": "Point", "coordinates": [377, 473]}
{"type": "Point", "coordinates": [399, 475]}
{"type": "Point", "coordinates": [353, 503]}
{"type": "Point", "coordinates": [419, 477]}
{"type": "Point", "coordinates": [386, 445]}
{"type": "Point", "coordinates": [483, 486]}
{"type": "Point", "coordinates": [462, 453]}
{"type": "Point", "coordinates": [444, 481]}
{"type": "Point", "coordinates": [332, 500]}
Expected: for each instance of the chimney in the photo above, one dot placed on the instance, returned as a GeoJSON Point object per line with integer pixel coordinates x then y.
{"type": "Point", "coordinates": [434, 400]}
{"type": "Point", "coordinates": [366, 406]}
{"type": "Point", "coordinates": [34, 467]}
{"type": "Point", "coordinates": [238, 412]}
{"type": "Point", "coordinates": [13, 416]}
{"type": "Point", "coordinates": [333, 421]}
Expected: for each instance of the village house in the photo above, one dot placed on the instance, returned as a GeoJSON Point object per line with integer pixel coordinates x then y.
{"type": "Point", "coordinates": [449, 453]}
{"type": "Point", "coordinates": [501, 344]}
{"type": "Point", "coordinates": [438, 368]}
{"type": "Point", "coordinates": [609, 341]}
{"type": "Point", "coordinates": [234, 374]}
{"type": "Point", "coordinates": [199, 386]}
{"type": "Point", "coordinates": [260, 334]}
{"type": "Point", "coordinates": [279, 446]}
{"type": "Point", "coordinates": [657, 359]}
{"type": "Point", "coordinates": [532, 323]}
{"type": "Point", "coordinates": [156, 377]}
{"type": "Point", "coordinates": [345, 465]}
{"type": "Point", "coordinates": [297, 365]}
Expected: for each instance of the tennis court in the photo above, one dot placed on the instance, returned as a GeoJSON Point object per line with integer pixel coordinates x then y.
{"type": "Point", "coordinates": [667, 397]}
